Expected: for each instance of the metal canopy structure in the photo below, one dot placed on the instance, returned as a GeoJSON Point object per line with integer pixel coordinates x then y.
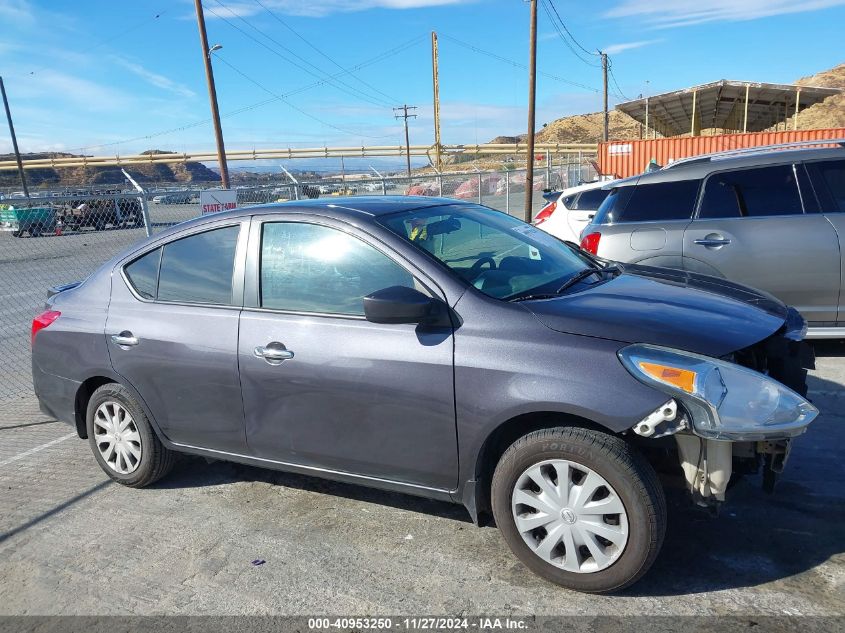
{"type": "Point", "coordinates": [728, 106]}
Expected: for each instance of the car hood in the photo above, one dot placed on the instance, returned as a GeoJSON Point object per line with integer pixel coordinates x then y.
{"type": "Point", "coordinates": [661, 306]}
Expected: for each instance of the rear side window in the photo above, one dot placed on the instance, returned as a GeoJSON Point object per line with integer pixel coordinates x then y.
{"type": "Point", "coordinates": [591, 200]}
{"type": "Point", "coordinates": [829, 177]}
{"type": "Point", "coordinates": [751, 193]}
{"type": "Point", "coordinates": [143, 274]}
{"type": "Point", "coordinates": [661, 201]}
{"type": "Point", "coordinates": [198, 269]}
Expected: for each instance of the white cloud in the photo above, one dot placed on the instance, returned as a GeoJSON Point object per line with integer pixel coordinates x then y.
{"type": "Point", "coordinates": [675, 13]}
{"type": "Point", "coordinates": [615, 49]}
{"type": "Point", "coordinates": [320, 8]}
{"type": "Point", "coordinates": [159, 81]}
{"type": "Point", "coordinates": [16, 12]}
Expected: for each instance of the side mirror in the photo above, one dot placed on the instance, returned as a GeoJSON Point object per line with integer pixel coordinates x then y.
{"type": "Point", "coordinates": [399, 304]}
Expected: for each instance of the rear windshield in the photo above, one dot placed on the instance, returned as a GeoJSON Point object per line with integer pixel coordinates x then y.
{"type": "Point", "coordinates": [659, 201]}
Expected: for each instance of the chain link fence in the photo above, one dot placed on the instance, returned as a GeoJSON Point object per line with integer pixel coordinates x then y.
{"type": "Point", "coordinates": [59, 237]}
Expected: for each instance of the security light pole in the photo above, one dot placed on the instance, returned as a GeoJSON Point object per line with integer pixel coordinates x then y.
{"type": "Point", "coordinates": [14, 139]}
{"type": "Point", "coordinates": [532, 98]}
{"type": "Point", "coordinates": [212, 95]}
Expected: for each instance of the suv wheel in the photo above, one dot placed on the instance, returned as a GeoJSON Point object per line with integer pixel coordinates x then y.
{"type": "Point", "coordinates": [580, 508]}
{"type": "Point", "coordinates": [124, 444]}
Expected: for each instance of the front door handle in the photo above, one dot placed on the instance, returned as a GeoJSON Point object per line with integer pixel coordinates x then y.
{"type": "Point", "coordinates": [274, 353]}
{"type": "Point", "coordinates": [125, 339]}
{"type": "Point", "coordinates": [713, 241]}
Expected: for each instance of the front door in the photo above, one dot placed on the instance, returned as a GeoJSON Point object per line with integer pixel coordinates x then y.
{"type": "Point", "coordinates": [172, 332]}
{"type": "Point", "coordinates": [751, 228]}
{"type": "Point", "coordinates": [325, 388]}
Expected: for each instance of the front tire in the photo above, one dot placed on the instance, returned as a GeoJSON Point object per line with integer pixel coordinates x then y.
{"type": "Point", "coordinates": [580, 508]}
{"type": "Point", "coordinates": [122, 439]}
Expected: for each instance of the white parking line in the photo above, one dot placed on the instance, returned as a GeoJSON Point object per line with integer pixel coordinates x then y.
{"type": "Point", "coordinates": [36, 449]}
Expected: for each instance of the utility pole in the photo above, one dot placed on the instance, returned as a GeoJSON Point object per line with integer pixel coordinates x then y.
{"type": "Point", "coordinates": [532, 98]}
{"type": "Point", "coordinates": [606, 133]}
{"type": "Point", "coordinates": [435, 73]}
{"type": "Point", "coordinates": [14, 139]}
{"type": "Point", "coordinates": [404, 115]}
{"type": "Point", "coordinates": [212, 96]}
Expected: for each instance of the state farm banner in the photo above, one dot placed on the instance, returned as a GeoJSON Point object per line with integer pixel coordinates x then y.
{"type": "Point", "coordinates": [217, 200]}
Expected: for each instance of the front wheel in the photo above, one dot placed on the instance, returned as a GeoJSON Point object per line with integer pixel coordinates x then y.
{"type": "Point", "coordinates": [580, 508]}
{"type": "Point", "coordinates": [122, 439]}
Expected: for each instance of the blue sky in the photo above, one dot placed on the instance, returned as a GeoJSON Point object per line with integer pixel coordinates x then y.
{"type": "Point", "coordinates": [104, 74]}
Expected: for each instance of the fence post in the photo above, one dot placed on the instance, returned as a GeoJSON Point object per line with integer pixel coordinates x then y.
{"type": "Point", "coordinates": [548, 169]}
{"type": "Point", "coordinates": [383, 187]}
{"type": "Point", "coordinates": [507, 192]}
{"type": "Point", "coordinates": [145, 211]}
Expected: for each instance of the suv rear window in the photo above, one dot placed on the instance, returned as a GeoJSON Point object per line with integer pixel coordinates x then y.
{"type": "Point", "coordinates": [652, 202]}
{"type": "Point", "coordinates": [755, 192]}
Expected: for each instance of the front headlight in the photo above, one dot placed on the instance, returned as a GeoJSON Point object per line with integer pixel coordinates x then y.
{"type": "Point", "coordinates": [726, 401]}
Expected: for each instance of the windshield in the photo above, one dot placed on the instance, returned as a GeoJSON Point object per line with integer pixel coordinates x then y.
{"type": "Point", "coordinates": [500, 255]}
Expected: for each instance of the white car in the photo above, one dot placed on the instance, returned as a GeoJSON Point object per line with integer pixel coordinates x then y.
{"type": "Point", "coordinates": [570, 210]}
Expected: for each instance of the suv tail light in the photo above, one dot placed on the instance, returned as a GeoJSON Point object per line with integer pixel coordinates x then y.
{"type": "Point", "coordinates": [43, 320]}
{"type": "Point", "coordinates": [590, 243]}
{"type": "Point", "coordinates": [545, 213]}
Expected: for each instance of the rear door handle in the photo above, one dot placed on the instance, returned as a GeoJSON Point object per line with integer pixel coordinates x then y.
{"type": "Point", "coordinates": [273, 355]}
{"type": "Point", "coordinates": [125, 339]}
{"type": "Point", "coordinates": [712, 241]}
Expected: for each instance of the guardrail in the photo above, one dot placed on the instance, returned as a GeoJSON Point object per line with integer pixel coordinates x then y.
{"type": "Point", "coordinates": [290, 153]}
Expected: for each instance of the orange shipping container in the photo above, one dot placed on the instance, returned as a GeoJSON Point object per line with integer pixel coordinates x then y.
{"type": "Point", "coordinates": [628, 158]}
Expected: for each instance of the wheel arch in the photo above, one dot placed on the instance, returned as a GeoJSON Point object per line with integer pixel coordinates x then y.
{"type": "Point", "coordinates": [476, 492]}
{"type": "Point", "coordinates": [90, 385]}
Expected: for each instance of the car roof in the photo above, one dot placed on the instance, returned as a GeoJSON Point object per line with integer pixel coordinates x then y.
{"type": "Point", "coordinates": [357, 207]}
{"type": "Point", "coordinates": [698, 167]}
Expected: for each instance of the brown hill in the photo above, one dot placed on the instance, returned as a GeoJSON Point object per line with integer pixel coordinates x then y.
{"type": "Point", "coordinates": [830, 112]}
{"type": "Point", "coordinates": [95, 176]}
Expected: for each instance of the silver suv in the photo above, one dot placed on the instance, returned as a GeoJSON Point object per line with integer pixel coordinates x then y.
{"type": "Point", "coordinates": [772, 218]}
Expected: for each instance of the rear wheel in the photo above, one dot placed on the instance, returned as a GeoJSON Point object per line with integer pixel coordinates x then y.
{"type": "Point", "coordinates": [122, 439]}
{"type": "Point", "coordinates": [580, 508]}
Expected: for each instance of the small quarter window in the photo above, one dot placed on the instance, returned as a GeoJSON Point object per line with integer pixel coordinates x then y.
{"type": "Point", "coordinates": [143, 274]}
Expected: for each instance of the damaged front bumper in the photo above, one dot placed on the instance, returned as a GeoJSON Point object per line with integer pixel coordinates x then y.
{"type": "Point", "coordinates": [743, 409]}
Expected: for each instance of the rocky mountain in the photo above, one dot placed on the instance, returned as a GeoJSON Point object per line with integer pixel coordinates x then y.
{"type": "Point", "coordinates": [100, 176]}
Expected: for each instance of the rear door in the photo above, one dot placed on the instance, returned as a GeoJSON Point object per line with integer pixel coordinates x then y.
{"type": "Point", "coordinates": [828, 178]}
{"type": "Point", "coordinates": [761, 227]}
{"type": "Point", "coordinates": [172, 332]}
{"type": "Point", "coordinates": [644, 224]}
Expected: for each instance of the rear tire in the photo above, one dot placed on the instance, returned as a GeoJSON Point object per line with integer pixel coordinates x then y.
{"type": "Point", "coordinates": [610, 548]}
{"type": "Point", "coordinates": [122, 439]}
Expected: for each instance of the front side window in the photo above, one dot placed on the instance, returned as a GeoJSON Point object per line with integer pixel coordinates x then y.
{"type": "Point", "coordinates": [756, 192]}
{"type": "Point", "coordinates": [198, 268]}
{"type": "Point", "coordinates": [500, 255]}
{"type": "Point", "coordinates": [313, 268]}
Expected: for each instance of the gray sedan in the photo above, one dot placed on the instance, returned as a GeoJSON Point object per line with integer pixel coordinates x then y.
{"type": "Point", "coordinates": [434, 348]}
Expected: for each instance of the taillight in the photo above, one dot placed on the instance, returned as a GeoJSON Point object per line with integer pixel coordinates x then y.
{"type": "Point", "coordinates": [43, 320]}
{"type": "Point", "coordinates": [590, 243]}
{"type": "Point", "coordinates": [545, 213]}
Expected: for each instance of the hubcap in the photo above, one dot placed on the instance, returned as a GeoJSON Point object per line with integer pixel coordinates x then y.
{"type": "Point", "coordinates": [570, 516]}
{"type": "Point", "coordinates": [117, 437]}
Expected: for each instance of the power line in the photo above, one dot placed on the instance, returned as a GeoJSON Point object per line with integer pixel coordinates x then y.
{"type": "Point", "coordinates": [340, 85]}
{"type": "Point", "coordinates": [568, 32]}
{"type": "Point", "coordinates": [320, 52]}
{"type": "Point", "coordinates": [188, 126]}
{"type": "Point", "coordinates": [284, 100]}
{"type": "Point", "coordinates": [516, 64]}
{"type": "Point", "coordinates": [548, 11]}
{"type": "Point", "coordinates": [619, 92]}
